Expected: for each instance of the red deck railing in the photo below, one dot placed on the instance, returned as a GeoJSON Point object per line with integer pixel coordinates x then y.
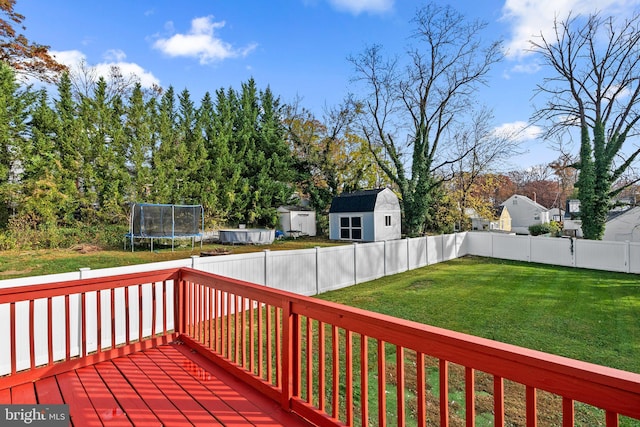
{"type": "Point", "coordinates": [337, 365]}
{"type": "Point", "coordinates": [79, 323]}
{"type": "Point", "coordinates": [332, 364]}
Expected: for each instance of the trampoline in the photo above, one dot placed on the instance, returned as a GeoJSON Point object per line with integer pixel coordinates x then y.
{"type": "Point", "coordinates": [165, 221]}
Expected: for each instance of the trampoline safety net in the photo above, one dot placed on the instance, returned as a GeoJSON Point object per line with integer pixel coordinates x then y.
{"type": "Point", "coordinates": [163, 221]}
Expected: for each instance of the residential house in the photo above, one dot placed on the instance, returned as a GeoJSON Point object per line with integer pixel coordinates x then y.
{"type": "Point", "coordinates": [503, 223]}
{"type": "Point", "coordinates": [524, 213]}
{"type": "Point", "coordinates": [623, 226]}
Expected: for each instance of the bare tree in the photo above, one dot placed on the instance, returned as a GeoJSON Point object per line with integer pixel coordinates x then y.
{"type": "Point", "coordinates": [481, 150]}
{"type": "Point", "coordinates": [410, 108]}
{"type": "Point", "coordinates": [595, 87]}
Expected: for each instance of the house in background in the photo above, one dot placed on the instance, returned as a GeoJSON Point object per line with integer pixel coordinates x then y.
{"type": "Point", "coordinates": [624, 226]}
{"type": "Point", "coordinates": [572, 224]}
{"type": "Point", "coordinates": [297, 221]}
{"type": "Point", "coordinates": [503, 223]}
{"type": "Point", "coordinates": [556, 214]}
{"type": "Point", "coordinates": [365, 216]}
{"type": "Point", "coordinates": [525, 213]}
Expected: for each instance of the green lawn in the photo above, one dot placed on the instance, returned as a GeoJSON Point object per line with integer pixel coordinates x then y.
{"type": "Point", "coordinates": [51, 261]}
{"type": "Point", "coordinates": [583, 314]}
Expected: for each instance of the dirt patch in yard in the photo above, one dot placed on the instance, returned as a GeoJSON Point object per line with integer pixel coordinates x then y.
{"type": "Point", "coordinates": [86, 248]}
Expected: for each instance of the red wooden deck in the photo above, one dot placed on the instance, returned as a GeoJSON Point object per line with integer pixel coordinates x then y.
{"type": "Point", "coordinates": [170, 385]}
{"type": "Point", "coordinates": [251, 355]}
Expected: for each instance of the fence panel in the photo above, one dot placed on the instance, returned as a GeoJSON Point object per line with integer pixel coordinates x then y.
{"type": "Point", "coordinates": [434, 249]}
{"type": "Point", "coordinates": [511, 247]}
{"type": "Point", "coordinates": [368, 264]}
{"type": "Point", "coordinates": [634, 258]}
{"type": "Point", "coordinates": [479, 244]}
{"type": "Point", "coordinates": [248, 267]}
{"type": "Point", "coordinates": [395, 256]}
{"type": "Point", "coordinates": [549, 250]}
{"type": "Point", "coordinates": [417, 252]}
{"type": "Point", "coordinates": [450, 246]}
{"type": "Point", "coordinates": [598, 255]}
{"type": "Point", "coordinates": [293, 271]}
{"type": "Point", "coordinates": [335, 268]}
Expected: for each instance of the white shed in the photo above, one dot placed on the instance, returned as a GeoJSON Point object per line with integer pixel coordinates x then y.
{"type": "Point", "coordinates": [297, 221]}
{"type": "Point", "coordinates": [365, 216]}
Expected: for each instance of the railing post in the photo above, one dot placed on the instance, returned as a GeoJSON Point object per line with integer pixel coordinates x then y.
{"type": "Point", "coordinates": [290, 354]}
{"type": "Point", "coordinates": [179, 311]}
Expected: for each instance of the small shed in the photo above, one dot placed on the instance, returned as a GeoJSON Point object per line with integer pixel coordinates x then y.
{"type": "Point", "coordinates": [297, 221]}
{"type": "Point", "coordinates": [365, 216]}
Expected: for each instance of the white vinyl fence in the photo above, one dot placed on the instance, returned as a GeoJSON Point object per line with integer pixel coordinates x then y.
{"type": "Point", "coordinates": [598, 255]}
{"type": "Point", "coordinates": [317, 270]}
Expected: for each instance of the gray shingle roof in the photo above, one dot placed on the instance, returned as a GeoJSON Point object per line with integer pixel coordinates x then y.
{"type": "Point", "coordinates": [358, 201]}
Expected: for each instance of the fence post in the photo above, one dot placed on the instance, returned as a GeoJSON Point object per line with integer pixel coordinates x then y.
{"type": "Point", "coordinates": [408, 254]}
{"type": "Point", "coordinates": [627, 256]}
{"type": "Point", "coordinates": [194, 261]}
{"type": "Point", "coordinates": [317, 270]}
{"type": "Point", "coordinates": [83, 271]}
{"type": "Point", "coordinates": [266, 267]}
{"type": "Point", "coordinates": [384, 258]}
{"type": "Point", "coordinates": [455, 245]}
{"type": "Point", "coordinates": [355, 263]}
{"type": "Point", "coordinates": [426, 250]}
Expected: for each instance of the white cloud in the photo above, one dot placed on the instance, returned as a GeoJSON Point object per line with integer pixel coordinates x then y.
{"type": "Point", "coordinates": [69, 58]}
{"type": "Point", "coordinates": [518, 131]}
{"type": "Point", "coordinates": [201, 42]}
{"type": "Point", "coordinates": [528, 19]}
{"type": "Point", "coordinates": [113, 57]}
{"type": "Point", "coordinates": [358, 6]}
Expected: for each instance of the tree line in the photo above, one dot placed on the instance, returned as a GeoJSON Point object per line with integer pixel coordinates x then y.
{"type": "Point", "coordinates": [82, 155]}
{"type": "Point", "coordinates": [83, 158]}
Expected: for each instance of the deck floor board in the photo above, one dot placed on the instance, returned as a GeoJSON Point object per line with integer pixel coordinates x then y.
{"type": "Point", "coordinates": [165, 386]}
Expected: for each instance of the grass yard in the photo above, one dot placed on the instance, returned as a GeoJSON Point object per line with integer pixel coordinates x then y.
{"type": "Point", "coordinates": [582, 314]}
{"type": "Point", "coordinates": [51, 261]}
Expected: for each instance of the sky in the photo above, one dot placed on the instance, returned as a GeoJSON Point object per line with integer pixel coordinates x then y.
{"type": "Point", "coordinates": [298, 48]}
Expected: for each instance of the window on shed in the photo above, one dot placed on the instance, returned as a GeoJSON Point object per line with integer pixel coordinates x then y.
{"type": "Point", "coordinates": [351, 228]}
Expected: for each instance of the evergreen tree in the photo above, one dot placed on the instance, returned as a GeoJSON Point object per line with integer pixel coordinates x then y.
{"type": "Point", "coordinates": [69, 135]}
{"type": "Point", "coordinates": [165, 160]}
{"type": "Point", "coordinates": [41, 176]}
{"type": "Point", "coordinates": [14, 113]}
{"type": "Point", "coordinates": [221, 173]}
{"type": "Point", "coordinates": [192, 155]}
{"type": "Point", "coordinates": [139, 135]}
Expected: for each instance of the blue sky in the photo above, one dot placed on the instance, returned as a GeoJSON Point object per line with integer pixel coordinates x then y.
{"type": "Point", "coordinates": [297, 47]}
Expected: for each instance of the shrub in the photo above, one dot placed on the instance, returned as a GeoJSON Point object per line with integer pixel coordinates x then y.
{"type": "Point", "coordinates": [552, 228]}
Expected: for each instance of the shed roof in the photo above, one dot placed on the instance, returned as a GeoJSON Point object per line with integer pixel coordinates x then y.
{"type": "Point", "coordinates": [358, 201]}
